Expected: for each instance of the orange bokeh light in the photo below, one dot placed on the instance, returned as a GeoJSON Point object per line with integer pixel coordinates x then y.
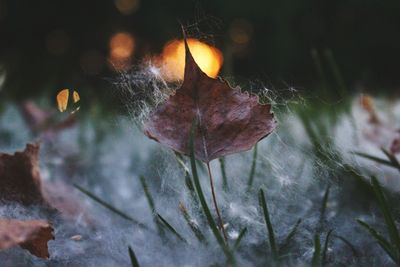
{"type": "Point", "coordinates": [208, 58]}
{"type": "Point", "coordinates": [122, 46]}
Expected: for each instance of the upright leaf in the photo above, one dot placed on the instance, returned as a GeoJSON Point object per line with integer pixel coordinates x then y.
{"type": "Point", "coordinates": [229, 121]}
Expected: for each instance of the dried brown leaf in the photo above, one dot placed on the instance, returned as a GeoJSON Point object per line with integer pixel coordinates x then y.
{"type": "Point", "coordinates": [20, 182]}
{"type": "Point", "coordinates": [32, 235]}
{"type": "Point", "coordinates": [395, 146]}
{"type": "Point", "coordinates": [45, 122]}
{"type": "Point", "coordinates": [229, 121]}
{"type": "Point", "coordinates": [20, 176]}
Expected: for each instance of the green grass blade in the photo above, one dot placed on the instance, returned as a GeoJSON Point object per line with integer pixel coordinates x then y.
{"type": "Point", "coordinates": [320, 69]}
{"type": "Point", "coordinates": [271, 235]}
{"type": "Point", "coordinates": [110, 207]}
{"type": "Point", "coordinates": [253, 167]}
{"type": "Point", "coordinates": [223, 173]}
{"type": "Point", "coordinates": [170, 228]}
{"type": "Point", "coordinates": [152, 207]}
{"type": "Point", "coordinates": [325, 250]}
{"type": "Point", "coordinates": [387, 215]}
{"type": "Point", "coordinates": [343, 91]}
{"type": "Point", "coordinates": [316, 259]}
{"type": "Point", "coordinates": [188, 179]}
{"type": "Point", "coordinates": [289, 237]}
{"type": "Point", "coordinates": [349, 244]}
{"type": "Point", "coordinates": [150, 200]}
{"type": "Point", "coordinates": [179, 159]}
{"type": "Point", "coordinates": [132, 256]}
{"type": "Point", "coordinates": [323, 206]}
{"type": "Point", "coordinates": [193, 226]}
{"type": "Point", "coordinates": [376, 159]}
{"type": "Point", "coordinates": [240, 237]}
{"type": "Point", "coordinates": [202, 199]}
{"type": "Point", "coordinates": [380, 239]}
{"type": "Point", "coordinates": [392, 158]}
{"type": "Point", "coordinates": [312, 135]}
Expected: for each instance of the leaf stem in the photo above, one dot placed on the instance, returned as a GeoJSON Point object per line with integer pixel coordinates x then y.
{"type": "Point", "coordinates": [221, 223]}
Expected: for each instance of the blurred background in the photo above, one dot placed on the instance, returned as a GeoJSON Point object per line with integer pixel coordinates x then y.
{"type": "Point", "coordinates": [48, 45]}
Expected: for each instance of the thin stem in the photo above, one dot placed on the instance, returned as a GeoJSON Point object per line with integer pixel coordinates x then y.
{"type": "Point", "coordinates": [221, 223]}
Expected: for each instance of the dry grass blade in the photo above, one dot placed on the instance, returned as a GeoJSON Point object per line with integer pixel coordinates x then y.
{"type": "Point", "coordinates": [193, 226]}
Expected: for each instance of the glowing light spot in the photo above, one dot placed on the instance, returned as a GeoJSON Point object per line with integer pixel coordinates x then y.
{"type": "Point", "coordinates": [127, 7]}
{"type": "Point", "coordinates": [207, 57]}
{"type": "Point", "coordinates": [122, 46]}
{"type": "Point", "coordinates": [63, 99]}
{"type": "Point", "coordinates": [76, 96]}
{"type": "Point", "coordinates": [241, 31]}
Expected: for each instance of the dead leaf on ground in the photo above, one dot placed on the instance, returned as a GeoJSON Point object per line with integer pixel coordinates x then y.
{"type": "Point", "coordinates": [229, 121]}
{"type": "Point", "coordinates": [45, 122]}
{"type": "Point", "coordinates": [31, 235]}
{"type": "Point", "coordinates": [395, 146]}
{"type": "Point", "coordinates": [367, 103]}
{"type": "Point", "coordinates": [64, 198]}
{"type": "Point", "coordinates": [20, 176]}
{"type": "Point", "coordinates": [20, 182]}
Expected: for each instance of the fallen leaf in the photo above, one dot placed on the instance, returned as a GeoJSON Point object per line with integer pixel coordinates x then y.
{"type": "Point", "coordinates": [229, 121]}
{"type": "Point", "coordinates": [20, 182]}
{"type": "Point", "coordinates": [44, 122]}
{"type": "Point", "coordinates": [395, 147]}
{"type": "Point", "coordinates": [65, 199]}
{"type": "Point", "coordinates": [367, 103]}
{"type": "Point", "coordinates": [35, 117]}
{"type": "Point", "coordinates": [20, 176]}
{"type": "Point", "coordinates": [32, 235]}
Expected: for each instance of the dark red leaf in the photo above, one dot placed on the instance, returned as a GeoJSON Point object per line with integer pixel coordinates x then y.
{"type": "Point", "coordinates": [229, 121]}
